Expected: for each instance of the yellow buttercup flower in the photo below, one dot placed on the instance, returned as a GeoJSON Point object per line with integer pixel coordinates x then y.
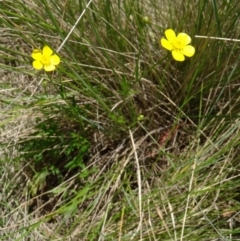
{"type": "Point", "coordinates": [45, 59]}
{"type": "Point", "coordinates": [178, 45]}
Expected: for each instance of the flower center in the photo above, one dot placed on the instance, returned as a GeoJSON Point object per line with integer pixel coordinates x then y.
{"type": "Point", "coordinates": [177, 43]}
{"type": "Point", "coordinates": [45, 60]}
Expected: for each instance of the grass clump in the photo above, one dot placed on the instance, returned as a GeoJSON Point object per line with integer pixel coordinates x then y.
{"type": "Point", "coordinates": [120, 142]}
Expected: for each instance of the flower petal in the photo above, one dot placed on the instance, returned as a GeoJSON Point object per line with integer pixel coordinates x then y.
{"type": "Point", "coordinates": [188, 50]}
{"type": "Point", "coordinates": [166, 44]}
{"type": "Point", "coordinates": [37, 65]}
{"type": "Point", "coordinates": [36, 54]}
{"type": "Point", "coordinates": [177, 55]}
{"type": "Point", "coordinates": [170, 35]}
{"type": "Point", "coordinates": [47, 52]}
{"type": "Point", "coordinates": [185, 39]}
{"type": "Point", "coordinates": [50, 67]}
{"type": "Point", "coordinates": [54, 59]}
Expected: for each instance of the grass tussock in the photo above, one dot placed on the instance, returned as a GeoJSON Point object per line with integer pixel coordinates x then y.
{"type": "Point", "coordinates": [121, 142]}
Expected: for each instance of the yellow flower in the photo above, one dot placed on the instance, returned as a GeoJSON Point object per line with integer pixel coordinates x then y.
{"type": "Point", "coordinates": [45, 59]}
{"type": "Point", "coordinates": [178, 45]}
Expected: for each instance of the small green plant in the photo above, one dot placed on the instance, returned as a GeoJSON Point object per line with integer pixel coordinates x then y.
{"type": "Point", "coordinates": [54, 149]}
